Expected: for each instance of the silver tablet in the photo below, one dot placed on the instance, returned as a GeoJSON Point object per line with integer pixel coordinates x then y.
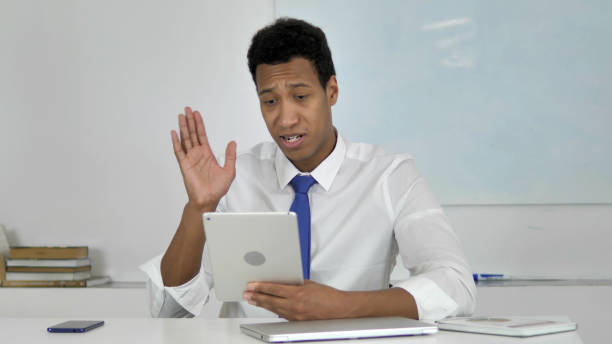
{"type": "Point", "coordinates": [246, 247]}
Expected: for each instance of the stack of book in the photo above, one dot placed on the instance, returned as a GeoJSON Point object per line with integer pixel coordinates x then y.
{"type": "Point", "coordinates": [50, 267]}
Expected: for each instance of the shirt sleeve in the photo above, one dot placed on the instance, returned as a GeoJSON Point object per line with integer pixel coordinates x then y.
{"type": "Point", "coordinates": [186, 300]}
{"type": "Point", "coordinates": [441, 280]}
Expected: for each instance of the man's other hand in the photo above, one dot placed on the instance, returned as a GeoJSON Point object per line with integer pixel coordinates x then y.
{"type": "Point", "coordinates": [305, 302]}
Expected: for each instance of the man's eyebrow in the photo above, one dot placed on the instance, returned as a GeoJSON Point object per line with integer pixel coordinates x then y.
{"type": "Point", "coordinates": [296, 85]}
{"type": "Point", "coordinates": [299, 84]}
{"type": "Point", "coordinates": [266, 90]}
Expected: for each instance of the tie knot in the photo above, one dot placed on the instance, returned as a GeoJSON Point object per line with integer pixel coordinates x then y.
{"type": "Point", "coordinates": [301, 184]}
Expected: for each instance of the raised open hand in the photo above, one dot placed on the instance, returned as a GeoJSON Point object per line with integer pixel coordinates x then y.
{"type": "Point", "coordinates": [205, 180]}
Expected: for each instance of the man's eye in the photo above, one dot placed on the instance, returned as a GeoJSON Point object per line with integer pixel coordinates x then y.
{"type": "Point", "coordinates": [270, 101]}
{"type": "Point", "coordinates": [301, 96]}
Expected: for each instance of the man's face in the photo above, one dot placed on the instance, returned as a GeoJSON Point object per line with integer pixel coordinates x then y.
{"type": "Point", "coordinates": [297, 110]}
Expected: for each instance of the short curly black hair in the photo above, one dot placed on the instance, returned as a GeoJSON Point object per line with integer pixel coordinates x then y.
{"type": "Point", "coordinates": [287, 38]}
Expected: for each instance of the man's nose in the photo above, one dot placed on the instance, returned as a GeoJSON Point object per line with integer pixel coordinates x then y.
{"type": "Point", "coordinates": [289, 115]}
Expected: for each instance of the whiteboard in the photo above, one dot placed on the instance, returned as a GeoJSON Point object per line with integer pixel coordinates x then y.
{"type": "Point", "coordinates": [500, 102]}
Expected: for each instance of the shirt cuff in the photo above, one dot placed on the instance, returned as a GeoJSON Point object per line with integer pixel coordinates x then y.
{"type": "Point", "coordinates": [432, 302]}
{"type": "Point", "coordinates": [191, 296]}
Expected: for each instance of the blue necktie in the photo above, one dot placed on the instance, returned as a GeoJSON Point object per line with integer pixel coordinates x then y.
{"type": "Point", "coordinates": [301, 207]}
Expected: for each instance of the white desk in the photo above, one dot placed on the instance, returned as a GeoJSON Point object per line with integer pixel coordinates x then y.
{"type": "Point", "coordinates": [131, 330]}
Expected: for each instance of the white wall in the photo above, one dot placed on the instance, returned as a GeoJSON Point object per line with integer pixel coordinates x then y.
{"type": "Point", "coordinates": [567, 241]}
{"type": "Point", "coordinates": [90, 90]}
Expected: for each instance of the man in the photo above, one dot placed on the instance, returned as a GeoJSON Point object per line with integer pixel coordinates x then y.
{"type": "Point", "coordinates": [365, 204]}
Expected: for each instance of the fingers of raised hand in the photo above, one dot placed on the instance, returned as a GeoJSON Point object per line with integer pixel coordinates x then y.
{"type": "Point", "coordinates": [201, 130]}
{"type": "Point", "coordinates": [193, 135]}
{"type": "Point", "coordinates": [193, 132]}
{"type": "Point", "coordinates": [185, 141]}
{"type": "Point", "coordinates": [230, 157]}
{"type": "Point", "coordinates": [178, 149]}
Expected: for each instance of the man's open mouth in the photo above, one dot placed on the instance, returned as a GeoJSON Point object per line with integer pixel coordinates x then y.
{"type": "Point", "coordinates": [291, 138]}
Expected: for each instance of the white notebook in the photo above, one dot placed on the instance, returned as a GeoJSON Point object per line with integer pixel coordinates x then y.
{"type": "Point", "coordinates": [507, 326]}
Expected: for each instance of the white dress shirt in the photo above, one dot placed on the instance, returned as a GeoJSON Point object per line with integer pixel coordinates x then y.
{"type": "Point", "coordinates": [366, 206]}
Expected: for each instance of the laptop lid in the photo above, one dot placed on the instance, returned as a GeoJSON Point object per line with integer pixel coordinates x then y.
{"type": "Point", "coordinates": [337, 329]}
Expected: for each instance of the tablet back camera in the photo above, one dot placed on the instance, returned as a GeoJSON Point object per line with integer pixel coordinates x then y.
{"type": "Point", "coordinates": [254, 258]}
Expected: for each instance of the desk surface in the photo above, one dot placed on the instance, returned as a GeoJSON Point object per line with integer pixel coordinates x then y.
{"type": "Point", "coordinates": [123, 330]}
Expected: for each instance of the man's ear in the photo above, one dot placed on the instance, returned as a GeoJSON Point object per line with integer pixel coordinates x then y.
{"type": "Point", "coordinates": [331, 90]}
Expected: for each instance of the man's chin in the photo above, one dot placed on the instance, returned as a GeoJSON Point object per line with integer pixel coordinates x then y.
{"type": "Point", "coordinates": [293, 156]}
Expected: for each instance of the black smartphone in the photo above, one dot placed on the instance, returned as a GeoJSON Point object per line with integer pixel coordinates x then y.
{"type": "Point", "coordinates": [77, 326]}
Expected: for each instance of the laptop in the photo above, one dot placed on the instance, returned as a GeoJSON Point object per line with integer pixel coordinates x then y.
{"type": "Point", "coordinates": [294, 331]}
{"type": "Point", "coordinates": [249, 247]}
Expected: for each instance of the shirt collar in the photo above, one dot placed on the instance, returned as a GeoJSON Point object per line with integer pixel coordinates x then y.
{"type": "Point", "coordinates": [324, 174]}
